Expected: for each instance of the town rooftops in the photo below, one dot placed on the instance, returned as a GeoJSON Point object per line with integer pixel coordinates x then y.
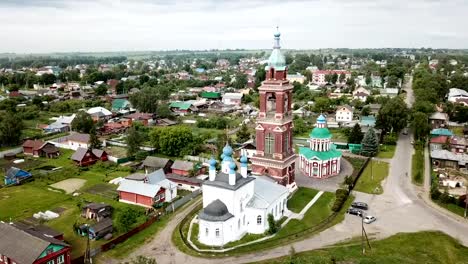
{"type": "Point", "coordinates": [22, 245]}
{"type": "Point", "coordinates": [443, 154]}
{"type": "Point", "coordinates": [210, 95]}
{"type": "Point", "coordinates": [98, 109]}
{"type": "Point", "coordinates": [140, 116]}
{"type": "Point", "coordinates": [35, 144]}
{"type": "Point", "coordinates": [346, 107]}
{"type": "Point", "coordinates": [439, 140]}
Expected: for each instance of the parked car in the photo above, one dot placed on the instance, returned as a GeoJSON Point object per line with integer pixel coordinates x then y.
{"type": "Point", "coordinates": [369, 219]}
{"type": "Point", "coordinates": [360, 205]}
{"type": "Point", "coordinates": [354, 211]}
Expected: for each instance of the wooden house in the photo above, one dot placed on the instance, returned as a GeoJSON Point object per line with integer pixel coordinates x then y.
{"type": "Point", "coordinates": [151, 164]}
{"type": "Point", "coordinates": [39, 148]}
{"type": "Point", "coordinates": [101, 229]}
{"type": "Point", "coordinates": [86, 157]}
{"type": "Point", "coordinates": [97, 211]}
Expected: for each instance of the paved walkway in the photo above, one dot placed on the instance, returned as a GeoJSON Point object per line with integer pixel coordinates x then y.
{"type": "Point", "coordinates": [304, 210]}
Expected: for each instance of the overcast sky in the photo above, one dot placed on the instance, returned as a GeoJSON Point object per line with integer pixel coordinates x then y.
{"type": "Point", "coordinates": [31, 26]}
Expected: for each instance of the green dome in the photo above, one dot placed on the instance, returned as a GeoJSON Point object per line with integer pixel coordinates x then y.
{"type": "Point", "coordinates": [277, 60]}
{"type": "Point", "coordinates": [320, 132]}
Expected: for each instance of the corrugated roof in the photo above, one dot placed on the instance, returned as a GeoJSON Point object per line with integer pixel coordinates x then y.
{"type": "Point", "coordinates": [137, 187]}
{"type": "Point", "coordinates": [180, 105]}
{"type": "Point", "coordinates": [211, 95]}
{"type": "Point", "coordinates": [182, 165]}
{"type": "Point", "coordinates": [266, 192]}
{"type": "Point", "coordinates": [155, 162]}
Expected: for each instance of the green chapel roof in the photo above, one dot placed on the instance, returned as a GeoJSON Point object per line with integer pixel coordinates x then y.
{"type": "Point", "coordinates": [320, 132]}
{"type": "Point", "coordinates": [321, 155]}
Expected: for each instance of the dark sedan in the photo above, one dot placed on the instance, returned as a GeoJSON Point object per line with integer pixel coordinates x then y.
{"type": "Point", "coordinates": [360, 205]}
{"type": "Point", "coordinates": [354, 211]}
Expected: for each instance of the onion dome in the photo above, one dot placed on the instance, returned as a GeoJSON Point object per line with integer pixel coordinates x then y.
{"type": "Point", "coordinates": [212, 162]}
{"type": "Point", "coordinates": [227, 150]}
{"type": "Point", "coordinates": [232, 166]}
{"type": "Point", "coordinates": [243, 159]}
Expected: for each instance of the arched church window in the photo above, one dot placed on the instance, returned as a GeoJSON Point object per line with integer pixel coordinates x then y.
{"type": "Point", "coordinates": [217, 232]}
{"type": "Point", "coordinates": [270, 143]}
{"type": "Point", "coordinates": [206, 231]}
{"type": "Point", "coordinates": [259, 220]}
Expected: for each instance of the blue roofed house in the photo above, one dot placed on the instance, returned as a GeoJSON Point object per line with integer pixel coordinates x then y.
{"type": "Point", "coordinates": [441, 132]}
{"type": "Point", "coordinates": [16, 176]}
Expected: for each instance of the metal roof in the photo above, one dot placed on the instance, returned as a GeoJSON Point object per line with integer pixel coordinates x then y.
{"type": "Point", "coordinates": [215, 211]}
{"type": "Point", "coordinates": [137, 187]}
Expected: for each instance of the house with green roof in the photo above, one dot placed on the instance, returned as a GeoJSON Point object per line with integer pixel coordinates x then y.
{"type": "Point", "coordinates": [182, 107]}
{"type": "Point", "coordinates": [321, 159]}
{"type": "Point", "coordinates": [441, 132]}
{"type": "Point", "coordinates": [211, 95]}
{"type": "Point", "coordinates": [119, 105]}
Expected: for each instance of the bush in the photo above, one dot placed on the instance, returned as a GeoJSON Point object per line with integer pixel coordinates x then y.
{"type": "Point", "coordinates": [390, 139]}
{"type": "Point", "coordinates": [341, 196]}
{"type": "Point", "coordinates": [272, 225]}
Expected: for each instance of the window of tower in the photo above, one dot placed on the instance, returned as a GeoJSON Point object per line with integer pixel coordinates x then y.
{"type": "Point", "coordinates": [270, 143]}
{"type": "Point", "coordinates": [271, 103]}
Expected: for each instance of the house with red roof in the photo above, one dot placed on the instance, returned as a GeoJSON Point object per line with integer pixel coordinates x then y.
{"type": "Point", "coordinates": [39, 148]}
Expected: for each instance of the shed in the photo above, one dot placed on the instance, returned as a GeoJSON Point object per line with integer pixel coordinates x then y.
{"type": "Point", "coordinates": [16, 176]}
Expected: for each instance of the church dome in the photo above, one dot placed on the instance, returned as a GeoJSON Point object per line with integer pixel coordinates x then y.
{"type": "Point", "coordinates": [232, 166]}
{"type": "Point", "coordinates": [320, 132]}
{"type": "Point", "coordinates": [277, 60]}
{"type": "Point", "coordinates": [212, 162]}
{"type": "Point", "coordinates": [227, 150]}
{"type": "Point", "coordinates": [243, 159]}
{"type": "Point", "coordinates": [321, 119]}
{"type": "Point", "coordinates": [216, 209]}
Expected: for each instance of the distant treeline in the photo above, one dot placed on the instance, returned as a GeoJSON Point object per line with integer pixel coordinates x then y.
{"type": "Point", "coordinates": [62, 62]}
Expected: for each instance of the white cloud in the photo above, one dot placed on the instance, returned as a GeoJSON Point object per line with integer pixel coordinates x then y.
{"type": "Point", "coordinates": [112, 25]}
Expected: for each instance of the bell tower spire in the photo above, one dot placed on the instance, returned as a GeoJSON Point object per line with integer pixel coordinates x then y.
{"type": "Point", "coordinates": [275, 155]}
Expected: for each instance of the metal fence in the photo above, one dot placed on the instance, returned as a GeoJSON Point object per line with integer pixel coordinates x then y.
{"type": "Point", "coordinates": [173, 206]}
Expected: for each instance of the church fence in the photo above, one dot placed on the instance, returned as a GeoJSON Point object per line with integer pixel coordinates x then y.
{"type": "Point", "coordinates": [173, 206]}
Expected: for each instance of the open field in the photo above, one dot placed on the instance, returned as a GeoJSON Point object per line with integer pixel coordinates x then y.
{"type": "Point", "coordinates": [424, 247]}
{"type": "Point", "coordinates": [69, 185]}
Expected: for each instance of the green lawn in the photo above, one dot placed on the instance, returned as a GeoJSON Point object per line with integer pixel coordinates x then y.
{"type": "Point", "coordinates": [356, 162]}
{"type": "Point", "coordinates": [417, 167]}
{"type": "Point", "coordinates": [386, 151]}
{"type": "Point", "coordinates": [300, 199]}
{"type": "Point", "coordinates": [429, 247]}
{"type": "Point", "coordinates": [452, 208]}
{"type": "Point", "coordinates": [371, 178]}
{"type": "Point", "coordinates": [317, 213]}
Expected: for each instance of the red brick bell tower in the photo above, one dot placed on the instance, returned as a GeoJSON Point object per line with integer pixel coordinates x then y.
{"type": "Point", "coordinates": [275, 157]}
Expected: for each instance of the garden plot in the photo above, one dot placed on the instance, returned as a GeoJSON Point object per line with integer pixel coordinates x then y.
{"type": "Point", "coordinates": [69, 185]}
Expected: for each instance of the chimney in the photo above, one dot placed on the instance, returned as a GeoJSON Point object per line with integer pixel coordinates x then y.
{"type": "Point", "coordinates": [232, 173]}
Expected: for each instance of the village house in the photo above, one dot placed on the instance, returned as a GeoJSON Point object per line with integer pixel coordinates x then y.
{"type": "Point", "coordinates": [101, 229]}
{"type": "Point", "coordinates": [185, 168]}
{"type": "Point", "coordinates": [39, 148]}
{"type": "Point", "coordinates": [145, 118]}
{"type": "Point", "coordinates": [213, 96]}
{"type": "Point", "coordinates": [457, 96]}
{"type": "Point", "coordinates": [232, 99]}
{"type": "Point", "coordinates": [97, 211]}
{"type": "Point", "coordinates": [60, 124]}
{"type": "Point", "coordinates": [182, 107]}
{"type": "Point", "coordinates": [151, 164]}
{"type": "Point", "coordinates": [442, 158]}
{"type": "Point", "coordinates": [438, 120]}
{"type": "Point", "coordinates": [99, 113]}
{"type": "Point", "coordinates": [86, 157]}
{"type": "Point", "coordinates": [344, 113]}
{"type": "Point", "coordinates": [248, 149]}
{"type": "Point", "coordinates": [26, 244]}
{"type": "Point", "coordinates": [77, 140]}
{"type": "Point", "coordinates": [374, 108]}
{"type": "Point", "coordinates": [121, 106]}
{"type": "Point", "coordinates": [147, 189]}
{"type": "Point", "coordinates": [318, 76]}
{"type": "Point", "coordinates": [390, 92]}
{"type": "Point", "coordinates": [361, 94]}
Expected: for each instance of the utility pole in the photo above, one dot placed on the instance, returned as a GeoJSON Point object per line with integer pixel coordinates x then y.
{"type": "Point", "coordinates": [466, 200]}
{"type": "Point", "coordinates": [362, 235]}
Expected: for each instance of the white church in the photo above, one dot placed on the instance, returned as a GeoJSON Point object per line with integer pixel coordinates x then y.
{"type": "Point", "coordinates": [235, 204]}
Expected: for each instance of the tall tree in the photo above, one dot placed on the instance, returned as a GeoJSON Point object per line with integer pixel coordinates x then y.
{"type": "Point", "coordinates": [11, 127]}
{"type": "Point", "coordinates": [243, 134]}
{"type": "Point", "coordinates": [420, 125]}
{"type": "Point", "coordinates": [370, 143]}
{"type": "Point", "coordinates": [393, 116]}
{"type": "Point", "coordinates": [82, 123]}
{"type": "Point", "coordinates": [94, 142]}
{"type": "Point", "coordinates": [356, 135]}
{"type": "Point", "coordinates": [133, 140]}
{"type": "Point", "coordinates": [240, 82]}
{"type": "Point", "coordinates": [342, 77]}
{"type": "Point", "coordinates": [174, 141]}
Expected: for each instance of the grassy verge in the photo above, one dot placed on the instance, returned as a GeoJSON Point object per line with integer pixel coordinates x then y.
{"type": "Point", "coordinates": [452, 208]}
{"type": "Point", "coordinates": [423, 247]}
{"type": "Point", "coordinates": [316, 220]}
{"type": "Point", "coordinates": [386, 152]}
{"type": "Point", "coordinates": [417, 167]}
{"type": "Point", "coordinates": [372, 176]}
{"type": "Point", "coordinates": [300, 199]}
